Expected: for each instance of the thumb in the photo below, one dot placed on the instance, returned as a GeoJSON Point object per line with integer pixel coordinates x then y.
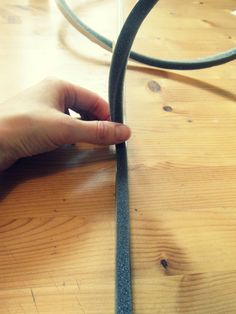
{"type": "Point", "coordinates": [94, 132]}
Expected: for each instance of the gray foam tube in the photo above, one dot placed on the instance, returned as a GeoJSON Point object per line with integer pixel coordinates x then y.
{"type": "Point", "coordinates": [116, 82]}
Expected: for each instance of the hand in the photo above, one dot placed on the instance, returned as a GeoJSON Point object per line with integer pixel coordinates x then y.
{"type": "Point", "coordinates": [35, 122]}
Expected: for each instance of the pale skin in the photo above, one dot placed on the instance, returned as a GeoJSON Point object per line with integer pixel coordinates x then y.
{"type": "Point", "coordinates": [35, 121]}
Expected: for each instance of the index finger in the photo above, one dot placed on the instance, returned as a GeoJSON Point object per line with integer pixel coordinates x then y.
{"type": "Point", "coordinates": [85, 102]}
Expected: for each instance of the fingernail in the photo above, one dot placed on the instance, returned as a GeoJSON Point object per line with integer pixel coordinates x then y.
{"type": "Point", "coordinates": [122, 133]}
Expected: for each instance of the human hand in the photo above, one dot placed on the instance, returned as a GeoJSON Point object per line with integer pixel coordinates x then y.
{"type": "Point", "coordinates": [35, 122]}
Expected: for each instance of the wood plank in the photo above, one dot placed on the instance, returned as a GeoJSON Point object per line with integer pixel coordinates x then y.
{"type": "Point", "coordinates": [57, 210]}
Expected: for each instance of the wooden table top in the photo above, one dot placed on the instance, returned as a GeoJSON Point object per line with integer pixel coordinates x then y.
{"type": "Point", "coordinates": [57, 210]}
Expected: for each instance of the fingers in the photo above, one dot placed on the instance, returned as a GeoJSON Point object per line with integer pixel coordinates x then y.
{"type": "Point", "coordinates": [87, 102]}
{"type": "Point", "coordinates": [62, 95]}
{"type": "Point", "coordinates": [83, 101]}
{"type": "Point", "coordinates": [94, 132]}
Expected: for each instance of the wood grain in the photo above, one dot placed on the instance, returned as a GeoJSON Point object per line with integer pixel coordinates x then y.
{"type": "Point", "coordinates": [57, 210]}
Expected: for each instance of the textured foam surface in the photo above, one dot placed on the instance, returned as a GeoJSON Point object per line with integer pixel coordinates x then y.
{"type": "Point", "coordinates": [116, 82]}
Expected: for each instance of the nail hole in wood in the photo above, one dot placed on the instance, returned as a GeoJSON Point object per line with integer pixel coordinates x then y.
{"type": "Point", "coordinates": [168, 108]}
{"type": "Point", "coordinates": [154, 86]}
{"type": "Point", "coordinates": [164, 263]}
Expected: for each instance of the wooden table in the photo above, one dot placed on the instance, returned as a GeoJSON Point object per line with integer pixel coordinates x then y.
{"type": "Point", "coordinates": [57, 210]}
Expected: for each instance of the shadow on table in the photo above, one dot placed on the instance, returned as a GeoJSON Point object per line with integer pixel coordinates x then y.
{"type": "Point", "coordinates": [69, 156]}
{"type": "Point", "coordinates": [57, 230]}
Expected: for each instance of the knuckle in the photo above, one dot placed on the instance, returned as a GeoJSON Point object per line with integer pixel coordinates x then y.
{"type": "Point", "coordinates": [96, 104]}
{"type": "Point", "coordinates": [53, 82]}
{"type": "Point", "coordinates": [102, 131]}
{"type": "Point", "coordinates": [96, 107]}
{"type": "Point", "coordinates": [56, 89]}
